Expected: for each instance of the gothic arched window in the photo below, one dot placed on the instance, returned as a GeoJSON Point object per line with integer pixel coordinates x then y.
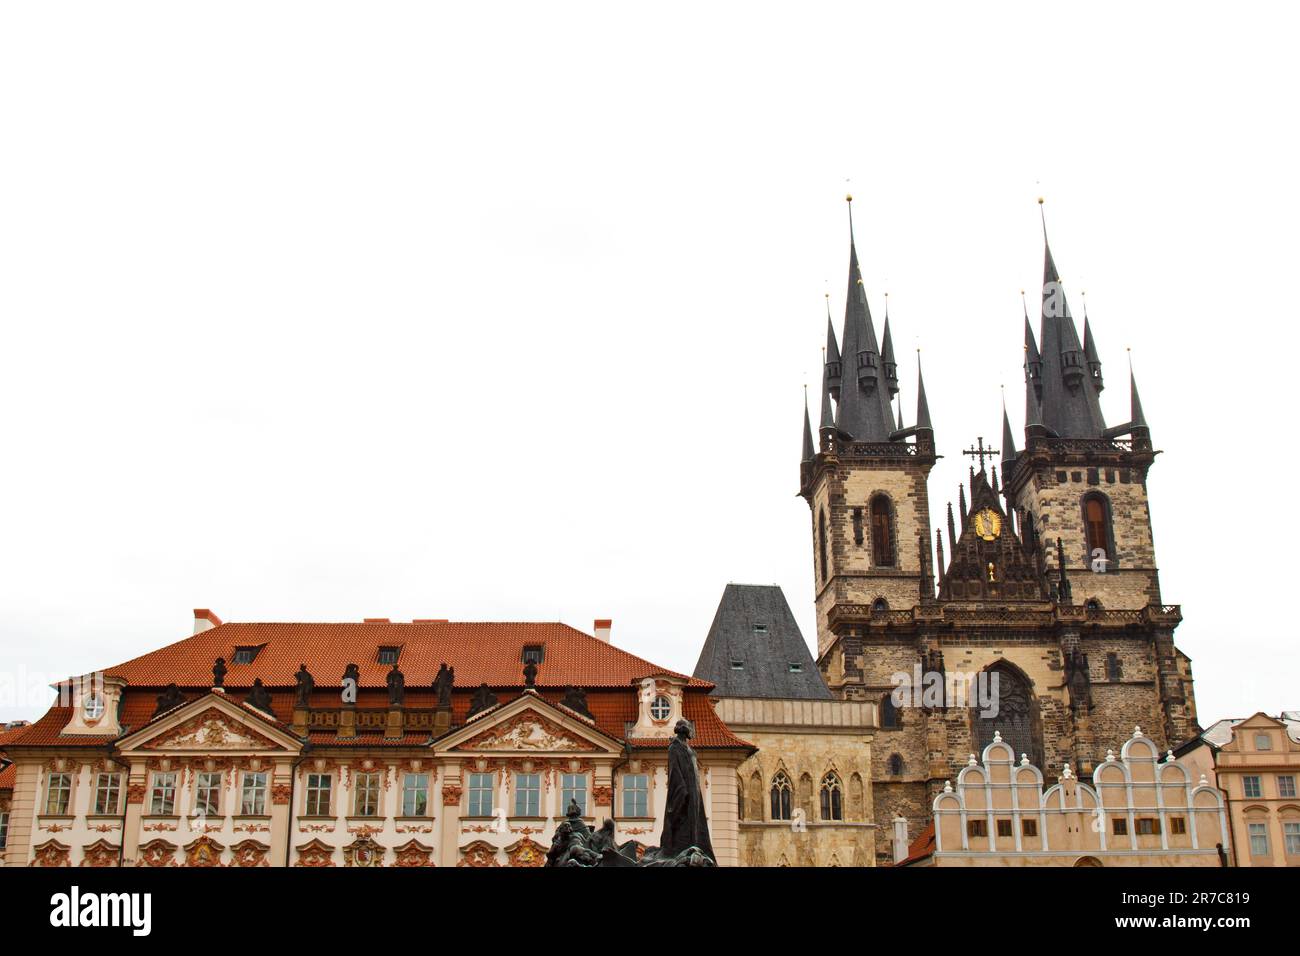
{"type": "Point", "coordinates": [1096, 524]}
{"type": "Point", "coordinates": [895, 765]}
{"type": "Point", "coordinates": [781, 796]}
{"type": "Point", "coordinates": [821, 540]}
{"type": "Point", "coordinates": [832, 798]}
{"type": "Point", "coordinates": [882, 531]}
{"type": "Point", "coordinates": [1014, 711]}
{"type": "Point", "coordinates": [888, 712]}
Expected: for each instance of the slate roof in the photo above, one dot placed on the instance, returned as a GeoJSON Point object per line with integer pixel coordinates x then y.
{"type": "Point", "coordinates": [765, 657]}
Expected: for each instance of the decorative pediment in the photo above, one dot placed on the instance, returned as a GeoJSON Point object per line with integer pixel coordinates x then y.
{"type": "Point", "coordinates": [210, 724]}
{"type": "Point", "coordinates": [988, 562]}
{"type": "Point", "coordinates": [526, 731]}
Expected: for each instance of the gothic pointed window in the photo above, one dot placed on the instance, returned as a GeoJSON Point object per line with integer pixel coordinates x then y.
{"type": "Point", "coordinates": [895, 765]}
{"type": "Point", "coordinates": [832, 798]}
{"type": "Point", "coordinates": [882, 531]}
{"type": "Point", "coordinates": [1097, 526]}
{"type": "Point", "coordinates": [1005, 704]}
{"type": "Point", "coordinates": [782, 797]}
{"type": "Point", "coordinates": [889, 712]}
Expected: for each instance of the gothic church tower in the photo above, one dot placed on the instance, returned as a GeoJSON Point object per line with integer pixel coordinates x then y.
{"type": "Point", "coordinates": [1050, 594]}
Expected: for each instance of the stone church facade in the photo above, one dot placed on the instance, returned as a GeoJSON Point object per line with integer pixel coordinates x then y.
{"type": "Point", "coordinates": [1050, 594]}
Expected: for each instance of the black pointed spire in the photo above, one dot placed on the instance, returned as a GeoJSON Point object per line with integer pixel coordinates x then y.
{"type": "Point", "coordinates": [863, 411]}
{"type": "Point", "coordinates": [1136, 414]}
{"type": "Point", "coordinates": [887, 358]}
{"type": "Point", "coordinates": [831, 360]}
{"type": "Point", "coordinates": [922, 406]}
{"type": "Point", "coordinates": [808, 451]}
{"type": "Point", "coordinates": [1090, 352]}
{"type": "Point", "coordinates": [1008, 445]}
{"type": "Point", "coordinates": [1067, 408]}
{"type": "Point", "coordinates": [961, 502]}
{"type": "Point", "coordinates": [939, 562]}
{"type": "Point", "coordinates": [1033, 361]}
{"type": "Point", "coordinates": [952, 528]}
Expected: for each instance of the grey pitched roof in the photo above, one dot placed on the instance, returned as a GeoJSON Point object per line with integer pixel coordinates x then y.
{"type": "Point", "coordinates": [764, 656]}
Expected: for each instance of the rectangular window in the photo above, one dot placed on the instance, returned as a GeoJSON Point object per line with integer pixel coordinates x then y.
{"type": "Point", "coordinates": [636, 795]}
{"type": "Point", "coordinates": [1178, 825]}
{"type": "Point", "coordinates": [533, 654]}
{"type": "Point", "coordinates": [4, 828]}
{"type": "Point", "coordinates": [1290, 831]}
{"type": "Point", "coordinates": [1119, 826]}
{"type": "Point", "coordinates": [366, 788]}
{"type": "Point", "coordinates": [1029, 828]}
{"type": "Point", "coordinates": [415, 795]}
{"type": "Point", "coordinates": [528, 795]}
{"type": "Point", "coordinates": [977, 828]}
{"type": "Point", "coordinates": [1251, 786]}
{"type": "Point", "coordinates": [1286, 786]}
{"type": "Point", "coordinates": [1004, 828]}
{"type": "Point", "coordinates": [1263, 741]}
{"type": "Point", "coordinates": [318, 794]}
{"type": "Point", "coordinates": [107, 788]}
{"type": "Point", "coordinates": [207, 793]}
{"type": "Point", "coordinates": [1258, 839]}
{"type": "Point", "coordinates": [388, 655]}
{"type": "Point", "coordinates": [252, 799]}
{"type": "Point", "coordinates": [482, 786]}
{"type": "Point", "coordinates": [573, 786]}
{"type": "Point", "coordinates": [58, 793]}
{"type": "Point", "coordinates": [1147, 826]}
{"type": "Point", "coordinates": [163, 802]}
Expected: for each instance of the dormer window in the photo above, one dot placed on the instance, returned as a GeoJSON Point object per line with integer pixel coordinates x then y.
{"type": "Point", "coordinates": [737, 665]}
{"type": "Point", "coordinates": [389, 655]}
{"type": "Point", "coordinates": [245, 655]}
{"type": "Point", "coordinates": [532, 654]}
{"type": "Point", "coordinates": [760, 630]}
{"type": "Point", "coordinates": [796, 668]}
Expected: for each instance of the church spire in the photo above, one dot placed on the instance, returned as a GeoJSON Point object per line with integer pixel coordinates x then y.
{"type": "Point", "coordinates": [1090, 352]}
{"type": "Point", "coordinates": [1135, 404]}
{"type": "Point", "coordinates": [808, 451]}
{"type": "Point", "coordinates": [887, 358]}
{"type": "Point", "coordinates": [864, 412]}
{"type": "Point", "coordinates": [922, 406]}
{"type": "Point", "coordinates": [1008, 446]}
{"type": "Point", "coordinates": [1067, 408]}
{"type": "Point", "coordinates": [832, 357]}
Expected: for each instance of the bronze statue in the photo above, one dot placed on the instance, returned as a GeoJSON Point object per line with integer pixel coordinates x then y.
{"type": "Point", "coordinates": [396, 687]}
{"type": "Point", "coordinates": [685, 824]}
{"type": "Point", "coordinates": [259, 697]}
{"type": "Point", "coordinates": [219, 672]}
{"type": "Point", "coordinates": [305, 686]}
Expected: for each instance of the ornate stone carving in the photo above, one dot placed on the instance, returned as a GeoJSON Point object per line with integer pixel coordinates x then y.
{"type": "Point", "coordinates": [315, 854]}
{"type": "Point", "coordinates": [203, 852]}
{"type": "Point", "coordinates": [527, 731]}
{"type": "Point", "coordinates": [280, 794]}
{"type": "Point", "coordinates": [478, 854]}
{"type": "Point", "coordinates": [100, 853]}
{"type": "Point", "coordinates": [157, 853]}
{"type": "Point", "coordinates": [51, 853]}
{"type": "Point", "coordinates": [526, 853]}
{"type": "Point", "coordinates": [363, 852]}
{"type": "Point", "coordinates": [451, 794]}
{"type": "Point", "coordinates": [249, 853]}
{"type": "Point", "coordinates": [413, 853]}
{"type": "Point", "coordinates": [210, 730]}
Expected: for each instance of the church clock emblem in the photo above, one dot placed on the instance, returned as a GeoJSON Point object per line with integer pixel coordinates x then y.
{"type": "Point", "coordinates": [988, 524]}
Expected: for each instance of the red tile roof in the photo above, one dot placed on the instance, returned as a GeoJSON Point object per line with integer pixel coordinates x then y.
{"type": "Point", "coordinates": [488, 653]}
{"type": "Point", "coordinates": [922, 847]}
{"type": "Point", "coordinates": [47, 731]}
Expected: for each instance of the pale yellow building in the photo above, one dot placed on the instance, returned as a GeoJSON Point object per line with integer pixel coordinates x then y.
{"type": "Point", "coordinates": [1139, 810]}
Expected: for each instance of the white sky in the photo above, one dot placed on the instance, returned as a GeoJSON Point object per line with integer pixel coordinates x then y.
{"type": "Point", "coordinates": [322, 311]}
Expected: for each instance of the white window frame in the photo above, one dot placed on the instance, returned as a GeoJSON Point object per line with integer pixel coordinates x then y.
{"type": "Point", "coordinates": [51, 789]}
{"type": "Point", "coordinates": [111, 783]}
{"type": "Point", "coordinates": [324, 784]}
{"type": "Point", "coordinates": [207, 796]}
{"type": "Point", "coordinates": [1291, 837]}
{"type": "Point", "coordinates": [482, 786]}
{"type": "Point", "coordinates": [367, 784]}
{"type": "Point", "coordinates": [531, 808]}
{"type": "Point", "coordinates": [1257, 831]}
{"type": "Point", "coordinates": [4, 828]}
{"type": "Point", "coordinates": [421, 788]}
{"type": "Point", "coordinates": [253, 785]}
{"type": "Point", "coordinates": [1246, 781]}
{"type": "Point", "coordinates": [163, 782]}
{"type": "Point", "coordinates": [643, 792]}
{"type": "Point", "coordinates": [666, 711]}
{"type": "Point", "coordinates": [1286, 791]}
{"type": "Point", "coordinates": [572, 784]}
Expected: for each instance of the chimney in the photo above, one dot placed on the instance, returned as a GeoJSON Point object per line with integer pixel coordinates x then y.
{"type": "Point", "coordinates": [900, 839]}
{"type": "Point", "coordinates": [601, 629]}
{"type": "Point", "coordinates": [204, 620]}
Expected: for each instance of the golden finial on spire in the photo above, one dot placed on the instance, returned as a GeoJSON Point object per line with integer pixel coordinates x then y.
{"type": "Point", "coordinates": [1040, 200]}
{"type": "Point", "coordinates": [848, 197]}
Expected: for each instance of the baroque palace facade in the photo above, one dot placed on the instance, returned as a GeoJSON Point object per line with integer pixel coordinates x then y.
{"type": "Point", "coordinates": [429, 743]}
{"type": "Point", "coordinates": [1050, 592]}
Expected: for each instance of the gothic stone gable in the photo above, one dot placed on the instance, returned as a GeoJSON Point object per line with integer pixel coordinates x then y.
{"type": "Point", "coordinates": [990, 570]}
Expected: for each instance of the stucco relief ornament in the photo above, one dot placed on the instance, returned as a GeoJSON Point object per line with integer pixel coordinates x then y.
{"type": "Point", "coordinates": [479, 854]}
{"type": "Point", "coordinates": [51, 853]}
{"type": "Point", "coordinates": [210, 730]}
{"type": "Point", "coordinates": [249, 853]}
{"type": "Point", "coordinates": [527, 731]}
{"type": "Point", "coordinates": [203, 852]}
{"type": "Point", "coordinates": [157, 853]}
{"type": "Point", "coordinates": [101, 853]}
{"type": "Point", "coordinates": [450, 794]}
{"type": "Point", "coordinates": [364, 852]}
{"type": "Point", "coordinates": [413, 853]}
